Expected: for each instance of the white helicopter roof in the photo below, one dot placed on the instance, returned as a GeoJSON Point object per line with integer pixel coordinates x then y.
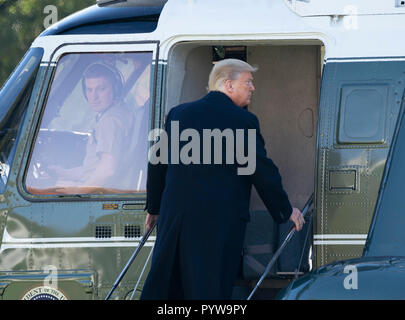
{"type": "Point", "coordinates": [307, 8]}
{"type": "Point", "coordinates": [301, 7]}
{"type": "Point", "coordinates": [350, 28]}
{"type": "Point", "coordinates": [347, 28]}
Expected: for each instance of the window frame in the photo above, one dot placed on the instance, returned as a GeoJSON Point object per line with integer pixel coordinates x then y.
{"type": "Point", "coordinates": [87, 48]}
{"type": "Point", "coordinates": [344, 91]}
{"type": "Point", "coordinates": [28, 84]}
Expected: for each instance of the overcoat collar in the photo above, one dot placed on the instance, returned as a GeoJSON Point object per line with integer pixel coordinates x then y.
{"type": "Point", "coordinates": [220, 98]}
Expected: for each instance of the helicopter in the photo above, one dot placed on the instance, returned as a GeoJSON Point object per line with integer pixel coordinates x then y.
{"type": "Point", "coordinates": [329, 98]}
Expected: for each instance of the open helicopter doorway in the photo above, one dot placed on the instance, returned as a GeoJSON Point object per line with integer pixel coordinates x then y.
{"type": "Point", "coordinates": [286, 103]}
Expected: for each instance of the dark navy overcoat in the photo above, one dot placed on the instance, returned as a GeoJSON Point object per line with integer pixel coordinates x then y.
{"type": "Point", "coordinates": [203, 208]}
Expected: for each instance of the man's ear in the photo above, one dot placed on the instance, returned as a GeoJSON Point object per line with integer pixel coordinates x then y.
{"type": "Point", "coordinates": [228, 86]}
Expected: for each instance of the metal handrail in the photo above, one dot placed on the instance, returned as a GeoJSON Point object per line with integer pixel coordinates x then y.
{"type": "Point", "coordinates": [281, 248]}
{"type": "Point", "coordinates": [131, 259]}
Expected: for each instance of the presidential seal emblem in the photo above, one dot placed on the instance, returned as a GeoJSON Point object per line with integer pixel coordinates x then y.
{"type": "Point", "coordinates": [44, 293]}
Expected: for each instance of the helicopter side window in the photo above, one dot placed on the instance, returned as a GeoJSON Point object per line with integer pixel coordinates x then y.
{"type": "Point", "coordinates": [93, 137]}
{"type": "Point", "coordinates": [362, 114]}
{"type": "Point", "coordinates": [14, 98]}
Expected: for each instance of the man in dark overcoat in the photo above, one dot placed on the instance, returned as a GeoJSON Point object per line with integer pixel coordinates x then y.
{"type": "Point", "coordinates": [202, 206]}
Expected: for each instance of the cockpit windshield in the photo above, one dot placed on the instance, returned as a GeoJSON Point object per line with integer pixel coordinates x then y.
{"type": "Point", "coordinates": [93, 133]}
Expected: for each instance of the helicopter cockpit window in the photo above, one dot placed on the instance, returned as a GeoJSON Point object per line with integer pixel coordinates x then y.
{"type": "Point", "coordinates": [14, 99]}
{"type": "Point", "coordinates": [93, 133]}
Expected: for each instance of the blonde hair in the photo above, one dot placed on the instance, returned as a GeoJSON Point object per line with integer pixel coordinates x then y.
{"type": "Point", "coordinates": [227, 69]}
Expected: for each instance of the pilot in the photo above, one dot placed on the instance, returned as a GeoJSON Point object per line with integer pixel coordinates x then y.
{"type": "Point", "coordinates": [103, 89]}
